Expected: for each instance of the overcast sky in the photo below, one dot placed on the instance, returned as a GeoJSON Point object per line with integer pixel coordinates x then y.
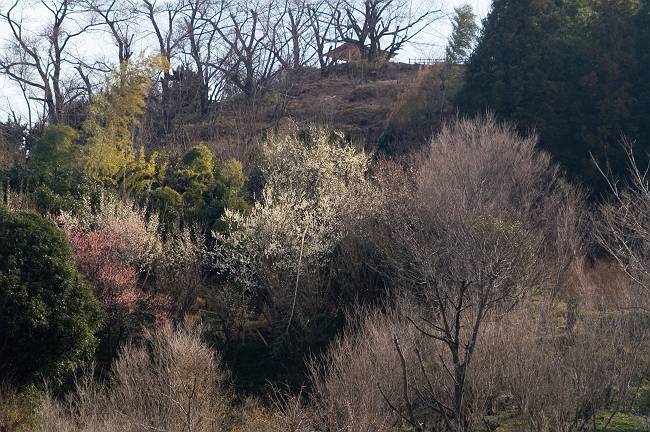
{"type": "Point", "coordinates": [429, 44]}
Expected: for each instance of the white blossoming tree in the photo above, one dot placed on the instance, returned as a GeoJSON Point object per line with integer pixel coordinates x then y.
{"type": "Point", "coordinates": [280, 252]}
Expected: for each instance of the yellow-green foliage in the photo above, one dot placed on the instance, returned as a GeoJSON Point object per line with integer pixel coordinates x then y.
{"type": "Point", "coordinates": [113, 116]}
{"type": "Point", "coordinates": [195, 172]}
{"type": "Point", "coordinates": [230, 184]}
{"type": "Point", "coordinates": [143, 171]}
{"type": "Point", "coordinates": [17, 409]}
{"type": "Point", "coordinates": [621, 422]}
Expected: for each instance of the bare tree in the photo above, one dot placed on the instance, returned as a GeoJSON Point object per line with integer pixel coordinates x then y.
{"type": "Point", "coordinates": [250, 37]}
{"type": "Point", "coordinates": [201, 19]}
{"type": "Point", "coordinates": [290, 42]}
{"type": "Point", "coordinates": [297, 12]}
{"type": "Point", "coordinates": [40, 59]}
{"type": "Point", "coordinates": [472, 241]}
{"type": "Point", "coordinates": [623, 224]}
{"type": "Point", "coordinates": [118, 16]}
{"type": "Point", "coordinates": [166, 22]}
{"type": "Point", "coordinates": [321, 24]}
{"type": "Point", "coordinates": [381, 27]}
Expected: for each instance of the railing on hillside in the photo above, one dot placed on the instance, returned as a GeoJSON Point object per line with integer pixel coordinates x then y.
{"type": "Point", "coordinates": [426, 61]}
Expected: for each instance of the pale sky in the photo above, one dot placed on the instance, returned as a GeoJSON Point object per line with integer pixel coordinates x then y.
{"type": "Point", "coordinates": [429, 44]}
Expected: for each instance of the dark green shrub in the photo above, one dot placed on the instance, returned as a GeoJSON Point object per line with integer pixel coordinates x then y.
{"type": "Point", "coordinates": [48, 313]}
{"type": "Point", "coordinates": [57, 146]}
{"type": "Point", "coordinates": [196, 189]}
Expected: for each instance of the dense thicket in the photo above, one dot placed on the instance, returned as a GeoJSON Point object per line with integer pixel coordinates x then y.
{"type": "Point", "coordinates": [397, 295]}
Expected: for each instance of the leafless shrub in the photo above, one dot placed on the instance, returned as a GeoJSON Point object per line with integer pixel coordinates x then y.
{"type": "Point", "coordinates": [610, 287]}
{"type": "Point", "coordinates": [285, 413]}
{"type": "Point", "coordinates": [554, 377]}
{"type": "Point", "coordinates": [173, 382]}
{"type": "Point", "coordinates": [384, 372]}
{"type": "Point", "coordinates": [622, 226]}
{"type": "Point", "coordinates": [180, 272]}
{"type": "Point", "coordinates": [488, 221]}
{"type": "Point", "coordinates": [559, 380]}
{"type": "Point", "coordinates": [290, 414]}
{"type": "Point", "coordinates": [349, 380]}
{"type": "Point", "coordinates": [254, 417]}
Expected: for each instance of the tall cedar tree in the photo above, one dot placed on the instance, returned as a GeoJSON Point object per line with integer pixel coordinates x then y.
{"type": "Point", "coordinates": [642, 109]}
{"type": "Point", "coordinates": [565, 69]}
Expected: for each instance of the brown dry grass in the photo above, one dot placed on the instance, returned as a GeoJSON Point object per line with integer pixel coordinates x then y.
{"type": "Point", "coordinates": [359, 105]}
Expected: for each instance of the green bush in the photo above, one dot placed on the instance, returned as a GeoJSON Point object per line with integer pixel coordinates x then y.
{"type": "Point", "coordinates": [57, 146]}
{"type": "Point", "coordinates": [48, 313]}
{"type": "Point", "coordinates": [196, 189]}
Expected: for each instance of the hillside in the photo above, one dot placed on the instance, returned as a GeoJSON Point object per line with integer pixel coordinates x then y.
{"type": "Point", "coordinates": [359, 102]}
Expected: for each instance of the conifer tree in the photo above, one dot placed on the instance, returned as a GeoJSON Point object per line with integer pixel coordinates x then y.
{"type": "Point", "coordinates": [642, 86]}
{"type": "Point", "coordinates": [564, 69]}
{"type": "Point", "coordinates": [463, 36]}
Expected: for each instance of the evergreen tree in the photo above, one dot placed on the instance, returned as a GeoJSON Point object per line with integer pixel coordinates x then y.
{"type": "Point", "coordinates": [52, 176]}
{"type": "Point", "coordinates": [48, 313]}
{"type": "Point", "coordinates": [518, 68]}
{"type": "Point", "coordinates": [606, 87]}
{"type": "Point", "coordinates": [642, 84]}
{"type": "Point", "coordinates": [564, 69]}
{"type": "Point", "coordinates": [463, 36]}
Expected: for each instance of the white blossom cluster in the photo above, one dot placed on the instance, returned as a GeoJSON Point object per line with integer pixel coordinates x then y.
{"type": "Point", "coordinates": [312, 179]}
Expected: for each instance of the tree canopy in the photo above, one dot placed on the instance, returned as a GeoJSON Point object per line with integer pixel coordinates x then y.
{"type": "Point", "coordinates": [569, 70]}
